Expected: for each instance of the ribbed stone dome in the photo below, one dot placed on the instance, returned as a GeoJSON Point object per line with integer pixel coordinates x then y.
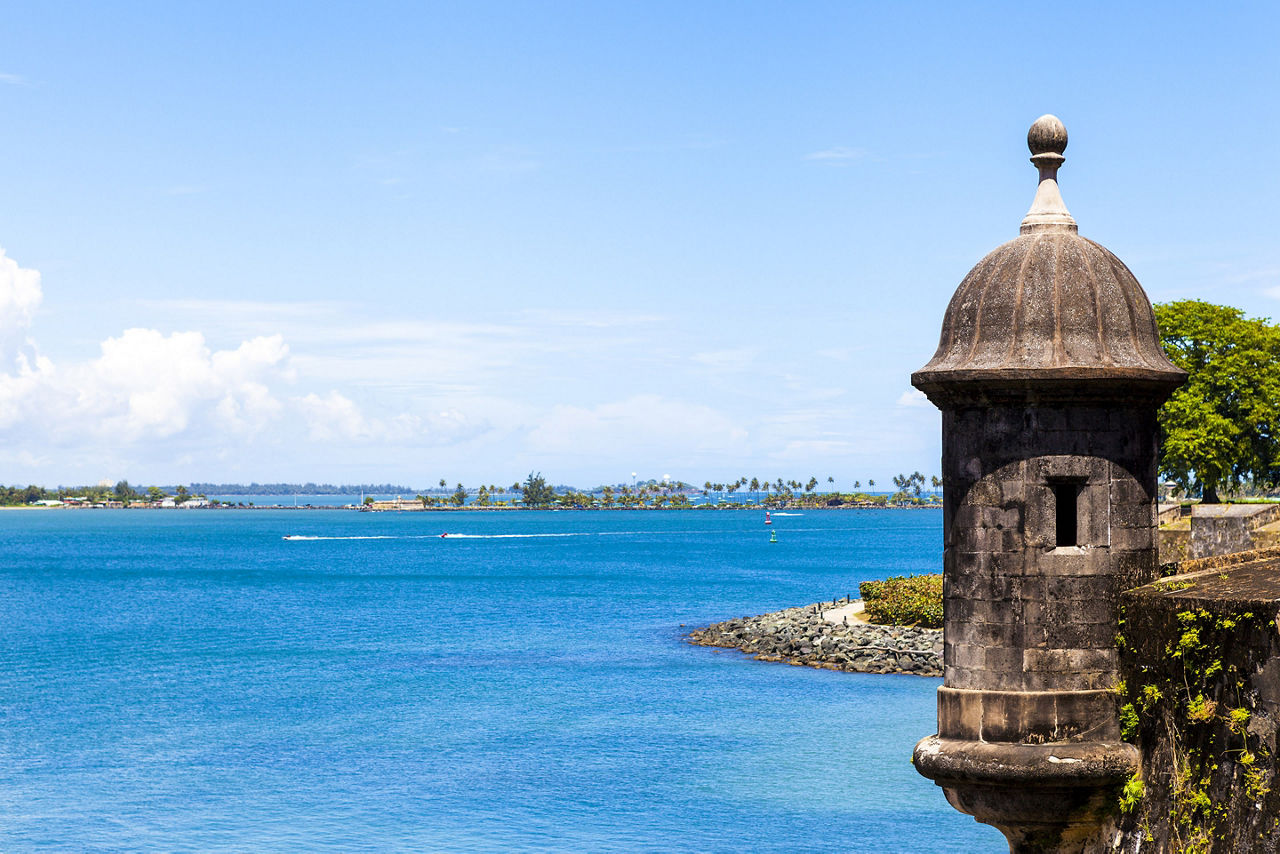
{"type": "Point", "coordinates": [1049, 306]}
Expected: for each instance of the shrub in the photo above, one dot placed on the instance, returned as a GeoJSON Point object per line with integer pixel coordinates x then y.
{"type": "Point", "coordinates": [914, 600]}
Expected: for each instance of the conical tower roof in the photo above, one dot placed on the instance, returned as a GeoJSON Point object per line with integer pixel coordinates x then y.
{"type": "Point", "coordinates": [1049, 311]}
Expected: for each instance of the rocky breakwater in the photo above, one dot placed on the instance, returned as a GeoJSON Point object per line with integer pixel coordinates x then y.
{"type": "Point", "coordinates": [831, 636]}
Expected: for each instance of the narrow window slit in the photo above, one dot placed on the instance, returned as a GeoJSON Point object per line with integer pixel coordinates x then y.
{"type": "Point", "coordinates": [1066, 500]}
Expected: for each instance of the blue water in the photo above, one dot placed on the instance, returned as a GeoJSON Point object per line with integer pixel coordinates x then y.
{"type": "Point", "coordinates": [190, 681]}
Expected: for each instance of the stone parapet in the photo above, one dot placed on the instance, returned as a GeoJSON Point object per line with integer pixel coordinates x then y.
{"type": "Point", "coordinates": [1201, 698]}
{"type": "Point", "coordinates": [1218, 529]}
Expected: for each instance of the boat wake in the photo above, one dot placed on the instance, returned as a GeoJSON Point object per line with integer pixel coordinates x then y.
{"type": "Point", "coordinates": [506, 536]}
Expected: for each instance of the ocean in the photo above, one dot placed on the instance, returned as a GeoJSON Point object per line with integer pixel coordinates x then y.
{"type": "Point", "coordinates": [192, 681]}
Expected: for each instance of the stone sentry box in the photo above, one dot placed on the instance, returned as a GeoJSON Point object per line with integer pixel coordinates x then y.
{"type": "Point", "coordinates": [1048, 374]}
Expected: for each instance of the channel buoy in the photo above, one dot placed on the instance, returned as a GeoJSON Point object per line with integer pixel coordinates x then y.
{"type": "Point", "coordinates": [773, 536]}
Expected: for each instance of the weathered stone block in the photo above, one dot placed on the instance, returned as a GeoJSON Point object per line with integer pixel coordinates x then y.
{"type": "Point", "coordinates": [1132, 539]}
{"type": "Point", "coordinates": [959, 713]}
{"type": "Point", "coordinates": [1003, 659]}
{"type": "Point", "coordinates": [1129, 514]}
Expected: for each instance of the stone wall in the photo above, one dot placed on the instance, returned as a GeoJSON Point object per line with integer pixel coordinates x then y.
{"type": "Point", "coordinates": [1168, 513]}
{"type": "Point", "coordinates": [1174, 542]}
{"type": "Point", "coordinates": [1218, 529]}
{"type": "Point", "coordinates": [1201, 699]}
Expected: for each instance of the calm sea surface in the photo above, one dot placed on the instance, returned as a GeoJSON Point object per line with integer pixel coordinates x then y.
{"type": "Point", "coordinates": [191, 681]}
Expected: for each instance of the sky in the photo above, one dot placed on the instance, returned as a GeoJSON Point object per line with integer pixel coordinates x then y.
{"type": "Point", "coordinates": [384, 242]}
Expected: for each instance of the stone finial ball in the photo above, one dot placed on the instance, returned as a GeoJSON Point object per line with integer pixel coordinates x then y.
{"type": "Point", "coordinates": [1048, 134]}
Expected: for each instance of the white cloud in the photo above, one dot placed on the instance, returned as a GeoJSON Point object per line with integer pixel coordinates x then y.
{"type": "Point", "coordinates": [144, 384]}
{"type": "Point", "coordinates": [333, 416]}
{"type": "Point", "coordinates": [13, 79]}
{"type": "Point", "coordinates": [20, 391]}
{"type": "Point", "coordinates": [354, 394]}
{"type": "Point", "coordinates": [147, 384]}
{"type": "Point", "coordinates": [20, 296]}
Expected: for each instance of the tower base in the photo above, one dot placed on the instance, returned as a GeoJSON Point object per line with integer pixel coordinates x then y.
{"type": "Point", "coordinates": [1052, 798]}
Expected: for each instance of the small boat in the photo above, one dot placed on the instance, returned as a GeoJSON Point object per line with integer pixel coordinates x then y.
{"type": "Point", "coordinates": [442, 536]}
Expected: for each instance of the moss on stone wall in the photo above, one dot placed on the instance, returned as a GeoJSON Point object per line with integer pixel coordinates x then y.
{"type": "Point", "coordinates": [1198, 700]}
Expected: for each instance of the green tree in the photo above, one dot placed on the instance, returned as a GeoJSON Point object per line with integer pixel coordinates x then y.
{"type": "Point", "coordinates": [155, 493]}
{"type": "Point", "coordinates": [536, 492]}
{"type": "Point", "coordinates": [459, 496]}
{"type": "Point", "coordinates": [1222, 428]}
{"type": "Point", "coordinates": [181, 495]}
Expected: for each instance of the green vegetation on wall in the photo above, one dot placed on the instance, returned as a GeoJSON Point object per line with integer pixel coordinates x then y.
{"type": "Point", "coordinates": [1187, 701]}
